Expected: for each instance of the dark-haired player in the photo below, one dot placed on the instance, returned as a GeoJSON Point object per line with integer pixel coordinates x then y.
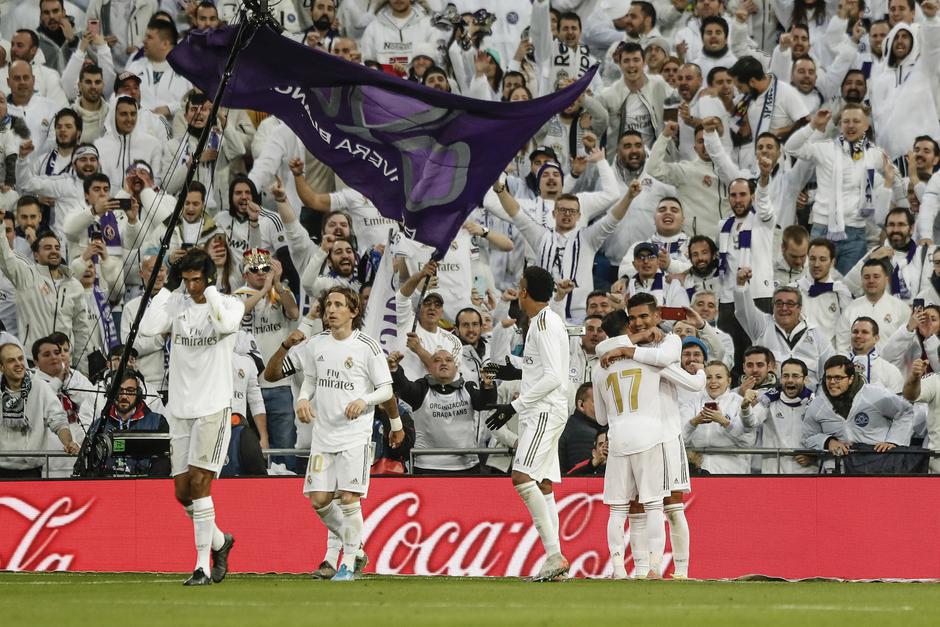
{"type": "Point", "coordinates": [202, 323]}
{"type": "Point", "coordinates": [543, 407]}
{"type": "Point", "coordinates": [346, 376]}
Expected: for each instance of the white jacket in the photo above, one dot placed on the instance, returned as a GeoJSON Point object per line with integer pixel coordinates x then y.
{"type": "Point", "coordinates": [780, 420]}
{"type": "Point", "coordinates": [808, 344]}
{"type": "Point", "coordinates": [384, 41]}
{"type": "Point", "coordinates": [889, 312]}
{"type": "Point", "coordinates": [48, 82]}
{"type": "Point", "coordinates": [129, 34]}
{"type": "Point", "coordinates": [758, 257]}
{"type": "Point", "coordinates": [712, 434]}
{"type": "Point", "coordinates": [44, 412]}
{"type": "Point", "coordinates": [811, 145]}
{"type": "Point", "coordinates": [44, 304]}
{"type": "Point", "coordinates": [39, 114]}
{"type": "Point", "coordinates": [786, 181]}
{"type": "Point", "coordinates": [639, 225]}
{"type": "Point", "coordinates": [703, 196]}
{"type": "Point", "coordinates": [903, 96]}
{"type": "Point", "coordinates": [116, 152]}
{"type": "Point", "coordinates": [876, 415]}
{"type": "Point", "coordinates": [825, 309]}
{"type": "Point", "coordinates": [168, 91]}
{"type": "Point", "coordinates": [878, 370]}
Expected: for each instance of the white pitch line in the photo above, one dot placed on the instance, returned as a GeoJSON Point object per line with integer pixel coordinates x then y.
{"type": "Point", "coordinates": [479, 606]}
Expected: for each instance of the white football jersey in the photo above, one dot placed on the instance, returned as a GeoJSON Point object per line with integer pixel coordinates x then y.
{"type": "Point", "coordinates": [626, 396]}
{"type": "Point", "coordinates": [545, 363]}
{"type": "Point", "coordinates": [269, 325]}
{"type": "Point", "coordinates": [203, 342]}
{"type": "Point", "coordinates": [337, 372]}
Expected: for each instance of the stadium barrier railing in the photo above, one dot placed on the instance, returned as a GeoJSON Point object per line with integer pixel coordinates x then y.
{"type": "Point", "coordinates": [484, 453]}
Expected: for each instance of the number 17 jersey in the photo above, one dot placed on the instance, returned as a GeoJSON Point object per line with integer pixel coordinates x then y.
{"type": "Point", "coordinates": [626, 397]}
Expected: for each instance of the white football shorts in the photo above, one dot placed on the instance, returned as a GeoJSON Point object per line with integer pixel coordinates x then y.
{"type": "Point", "coordinates": [639, 477]}
{"type": "Point", "coordinates": [677, 465]}
{"type": "Point", "coordinates": [201, 442]}
{"type": "Point", "coordinates": [537, 448]}
{"type": "Point", "coordinates": [343, 470]}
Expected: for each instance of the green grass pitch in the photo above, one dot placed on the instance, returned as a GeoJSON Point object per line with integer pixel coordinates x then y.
{"type": "Point", "coordinates": [60, 600]}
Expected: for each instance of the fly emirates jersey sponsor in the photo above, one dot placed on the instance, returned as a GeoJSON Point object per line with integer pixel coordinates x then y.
{"type": "Point", "coordinates": [626, 396]}
{"type": "Point", "coordinates": [337, 372]}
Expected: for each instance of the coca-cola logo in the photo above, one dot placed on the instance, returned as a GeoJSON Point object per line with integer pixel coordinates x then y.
{"type": "Point", "coordinates": [402, 539]}
{"type": "Point", "coordinates": [34, 549]}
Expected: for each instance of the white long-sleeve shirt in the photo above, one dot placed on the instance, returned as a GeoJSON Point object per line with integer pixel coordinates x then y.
{"type": "Point", "coordinates": [889, 312]}
{"type": "Point", "coordinates": [811, 145]}
{"type": "Point", "coordinates": [568, 256]}
{"type": "Point", "coordinates": [780, 419]}
{"type": "Point", "coordinates": [545, 360]}
{"type": "Point", "coordinates": [715, 435]}
{"type": "Point", "coordinates": [757, 255]}
{"type": "Point", "coordinates": [808, 344]}
{"type": "Point", "coordinates": [202, 345]}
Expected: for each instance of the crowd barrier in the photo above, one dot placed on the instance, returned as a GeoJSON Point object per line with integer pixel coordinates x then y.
{"type": "Point", "coordinates": [792, 527]}
{"type": "Point", "coordinates": [777, 453]}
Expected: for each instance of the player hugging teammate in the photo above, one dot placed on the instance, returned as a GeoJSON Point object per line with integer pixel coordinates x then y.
{"type": "Point", "coordinates": [647, 470]}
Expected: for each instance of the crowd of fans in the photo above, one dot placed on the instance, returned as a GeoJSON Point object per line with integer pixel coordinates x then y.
{"type": "Point", "coordinates": [764, 169]}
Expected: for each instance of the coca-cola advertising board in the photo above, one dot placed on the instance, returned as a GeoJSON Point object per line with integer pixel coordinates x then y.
{"type": "Point", "coordinates": [852, 528]}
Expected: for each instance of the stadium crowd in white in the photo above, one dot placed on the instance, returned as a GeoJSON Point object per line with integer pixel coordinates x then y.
{"type": "Point", "coordinates": [764, 169]}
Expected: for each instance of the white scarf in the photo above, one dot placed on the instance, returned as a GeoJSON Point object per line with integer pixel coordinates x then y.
{"type": "Point", "coordinates": [840, 147]}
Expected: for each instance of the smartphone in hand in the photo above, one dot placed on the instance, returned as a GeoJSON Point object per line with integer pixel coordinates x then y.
{"type": "Point", "coordinates": [672, 313]}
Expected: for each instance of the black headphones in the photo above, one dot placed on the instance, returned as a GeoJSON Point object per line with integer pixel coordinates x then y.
{"type": "Point", "coordinates": [141, 386]}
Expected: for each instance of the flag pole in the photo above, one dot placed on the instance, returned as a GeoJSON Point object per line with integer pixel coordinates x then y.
{"type": "Point", "coordinates": [93, 454]}
{"type": "Point", "coordinates": [435, 256]}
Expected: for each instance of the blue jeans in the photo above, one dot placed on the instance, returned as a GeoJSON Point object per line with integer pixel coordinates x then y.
{"type": "Point", "coordinates": [848, 251]}
{"type": "Point", "coordinates": [279, 407]}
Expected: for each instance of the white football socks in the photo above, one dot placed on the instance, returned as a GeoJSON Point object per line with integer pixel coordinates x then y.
{"type": "Point", "coordinates": [552, 509]}
{"type": "Point", "coordinates": [332, 517]}
{"type": "Point", "coordinates": [538, 509]}
{"type": "Point", "coordinates": [352, 533]}
{"type": "Point", "coordinates": [203, 525]}
{"type": "Point", "coordinates": [679, 536]}
{"type": "Point", "coordinates": [218, 538]}
{"type": "Point", "coordinates": [334, 543]}
{"type": "Point", "coordinates": [639, 545]}
{"type": "Point", "coordinates": [655, 534]}
{"type": "Point", "coordinates": [615, 537]}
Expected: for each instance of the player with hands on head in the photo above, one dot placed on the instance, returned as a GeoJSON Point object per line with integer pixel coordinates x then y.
{"type": "Point", "coordinates": [202, 324]}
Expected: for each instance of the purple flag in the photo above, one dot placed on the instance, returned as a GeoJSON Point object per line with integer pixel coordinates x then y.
{"type": "Point", "coordinates": [422, 156]}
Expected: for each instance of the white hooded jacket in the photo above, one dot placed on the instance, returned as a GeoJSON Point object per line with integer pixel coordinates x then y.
{"type": "Point", "coordinates": [903, 95]}
{"type": "Point", "coordinates": [116, 151]}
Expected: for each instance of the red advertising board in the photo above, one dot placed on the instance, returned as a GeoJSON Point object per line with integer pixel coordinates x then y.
{"type": "Point", "coordinates": [852, 528]}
